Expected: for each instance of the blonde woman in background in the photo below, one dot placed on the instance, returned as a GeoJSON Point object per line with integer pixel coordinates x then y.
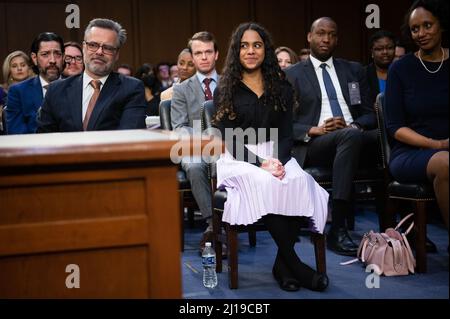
{"type": "Point", "coordinates": [286, 57]}
{"type": "Point", "coordinates": [16, 68]}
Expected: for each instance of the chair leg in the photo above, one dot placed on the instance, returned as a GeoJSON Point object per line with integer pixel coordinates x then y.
{"type": "Point", "coordinates": [388, 218]}
{"type": "Point", "coordinates": [232, 245]}
{"type": "Point", "coordinates": [217, 216]}
{"type": "Point", "coordinates": [319, 250]}
{"type": "Point", "coordinates": [182, 220]}
{"type": "Point", "coordinates": [190, 216]}
{"type": "Point", "coordinates": [420, 223]}
{"type": "Point", "coordinates": [252, 237]}
{"type": "Point", "coordinates": [380, 203]}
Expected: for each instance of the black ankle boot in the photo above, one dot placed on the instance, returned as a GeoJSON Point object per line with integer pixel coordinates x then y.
{"type": "Point", "coordinates": [319, 282]}
{"type": "Point", "coordinates": [311, 279]}
{"type": "Point", "coordinates": [286, 283]}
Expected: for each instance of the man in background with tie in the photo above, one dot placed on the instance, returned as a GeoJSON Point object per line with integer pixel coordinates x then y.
{"type": "Point", "coordinates": [25, 98]}
{"type": "Point", "coordinates": [98, 98]}
{"type": "Point", "coordinates": [187, 100]}
{"type": "Point", "coordinates": [333, 123]}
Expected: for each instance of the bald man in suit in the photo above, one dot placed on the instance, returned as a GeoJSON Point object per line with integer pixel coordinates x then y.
{"type": "Point", "coordinates": [333, 123]}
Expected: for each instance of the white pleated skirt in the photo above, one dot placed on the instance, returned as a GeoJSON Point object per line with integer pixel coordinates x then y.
{"type": "Point", "coordinates": [253, 192]}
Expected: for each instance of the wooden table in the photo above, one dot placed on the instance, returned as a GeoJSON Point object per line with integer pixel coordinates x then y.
{"type": "Point", "coordinates": [101, 205]}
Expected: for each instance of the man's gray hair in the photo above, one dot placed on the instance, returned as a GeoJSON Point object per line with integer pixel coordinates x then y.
{"type": "Point", "coordinates": [108, 24]}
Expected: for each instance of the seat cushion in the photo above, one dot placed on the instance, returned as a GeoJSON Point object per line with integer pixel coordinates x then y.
{"type": "Point", "coordinates": [320, 174]}
{"type": "Point", "coordinates": [415, 191]}
{"type": "Point", "coordinates": [325, 174]}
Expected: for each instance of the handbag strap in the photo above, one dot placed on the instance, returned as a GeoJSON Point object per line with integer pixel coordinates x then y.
{"type": "Point", "coordinates": [409, 251]}
{"type": "Point", "coordinates": [403, 220]}
{"type": "Point", "coordinates": [397, 250]}
{"type": "Point", "coordinates": [360, 254]}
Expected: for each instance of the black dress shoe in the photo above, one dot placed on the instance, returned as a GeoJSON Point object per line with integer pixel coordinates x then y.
{"type": "Point", "coordinates": [286, 283]}
{"type": "Point", "coordinates": [339, 241]}
{"type": "Point", "coordinates": [319, 282]}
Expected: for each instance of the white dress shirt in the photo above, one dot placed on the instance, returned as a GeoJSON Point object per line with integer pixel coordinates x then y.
{"type": "Point", "coordinates": [43, 83]}
{"type": "Point", "coordinates": [213, 76]}
{"type": "Point", "coordinates": [325, 112]}
{"type": "Point", "coordinates": [88, 91]}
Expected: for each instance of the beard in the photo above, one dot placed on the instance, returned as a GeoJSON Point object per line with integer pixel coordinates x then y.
{"type": "Point", "coordinates": [51, 73]}
{"type": "Point", "coordinates": [100, 69]}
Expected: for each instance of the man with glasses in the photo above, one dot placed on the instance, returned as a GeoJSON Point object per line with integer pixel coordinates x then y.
{"type": "Point", "coordinates": [25, 98]}
{"type": "Point", "coordinates": [73, 59]}
{"type": "Point", "coordinates": [98, 98]}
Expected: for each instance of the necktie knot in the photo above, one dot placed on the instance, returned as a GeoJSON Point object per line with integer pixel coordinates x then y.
{"type": "Point", "coordinates": [207, 81]}
{"type": "Point", "coordinates": [45, 86]}
{"type": "Point", "coordinates": [323, 66]}
{"type": "Point", "coordinates": [96, 84]}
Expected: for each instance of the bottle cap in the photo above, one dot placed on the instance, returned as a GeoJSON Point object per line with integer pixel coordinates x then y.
{"type": "Point", "coordinates": [208, 244]}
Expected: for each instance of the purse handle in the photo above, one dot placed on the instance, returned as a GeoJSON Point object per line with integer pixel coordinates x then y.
{"type": "Point", "coordinates": [402, 221]}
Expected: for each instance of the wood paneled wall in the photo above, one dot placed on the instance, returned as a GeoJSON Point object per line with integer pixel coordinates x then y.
{"type": "Point", "coordinates": [159, 29]}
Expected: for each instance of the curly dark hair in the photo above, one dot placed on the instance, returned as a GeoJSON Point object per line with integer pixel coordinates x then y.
{"type": "Point", "coordinates": [439, 9]}
{"type": "Point", "coordinates": [273, 76]}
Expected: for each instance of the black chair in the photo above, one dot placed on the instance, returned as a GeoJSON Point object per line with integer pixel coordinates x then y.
{"type": "Point", "coordinates": [184, 186]}
{"type": "Point", "coordinates": [227, 234]}
{"type": "Point", "coordinates": [164, 112]}
{"type": "Point", "coordinates": [418, 193]}
{"type": "Point", "coordinates": [365, 176]}
{"type": "Point", "coordinates": [372, 177]}
{"type": "Point", "coordinates": [4, 123]}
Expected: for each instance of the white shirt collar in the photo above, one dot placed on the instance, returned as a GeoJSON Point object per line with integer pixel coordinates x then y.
{"type": "Point", "coordinates": [213, 76]}
{"type": "Point", "coordinates": [316, 62]}
{"type": "Point", "coordinates": [87, 79]}
{"type": "Point", "coordinates": [43, 82]}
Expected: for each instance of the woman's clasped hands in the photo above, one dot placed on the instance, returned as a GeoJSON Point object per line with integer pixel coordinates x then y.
{"type": "Point", "coordinates": [275, 167]}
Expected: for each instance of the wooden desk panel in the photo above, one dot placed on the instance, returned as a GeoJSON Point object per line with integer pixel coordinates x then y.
{"type": "Point", "coordinates": [111, 209]}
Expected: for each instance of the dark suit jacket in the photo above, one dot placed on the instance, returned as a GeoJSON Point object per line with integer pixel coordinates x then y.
{"type": "Point", "coordinates": [120, 105]}
{"type": "Point", "coordinates": [372, 82]}
{"type": "Point", "coordinates": [24, 99]}
{"type": "Point", "coordinates": [304, 80]}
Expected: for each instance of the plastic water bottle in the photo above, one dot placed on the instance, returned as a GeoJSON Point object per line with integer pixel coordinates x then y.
{"type": "Point", "coordinates": [209, 266]}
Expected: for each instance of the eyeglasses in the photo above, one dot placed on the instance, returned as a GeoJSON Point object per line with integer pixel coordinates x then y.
{"type": "Point", "coordinates": [107, 49]}
{"type": "Point", "coordinates": [381, 49]}
{"type": "Point", "coordinates": [76, 59]}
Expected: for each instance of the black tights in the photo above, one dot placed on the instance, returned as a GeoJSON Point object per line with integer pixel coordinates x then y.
{"type": "Point", "coordinates": [284, 230]}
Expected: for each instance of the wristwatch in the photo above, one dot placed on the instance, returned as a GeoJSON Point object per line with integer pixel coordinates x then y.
{"type": "Point", "coordinates": [307, 138]}
{"type": "Point", "coordinates": [354, 125]}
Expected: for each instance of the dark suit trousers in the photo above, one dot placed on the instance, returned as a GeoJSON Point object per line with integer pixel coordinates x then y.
{"type": "Point", "coordinates": [342, 150]}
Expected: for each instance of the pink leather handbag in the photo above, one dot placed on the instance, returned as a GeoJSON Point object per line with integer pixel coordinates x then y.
{"type": "Point", "coordinates": [388, 252]}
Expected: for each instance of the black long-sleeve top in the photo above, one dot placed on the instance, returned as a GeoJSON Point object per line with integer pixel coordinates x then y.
{"type": "Point", "coordinates": [252, 113]}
